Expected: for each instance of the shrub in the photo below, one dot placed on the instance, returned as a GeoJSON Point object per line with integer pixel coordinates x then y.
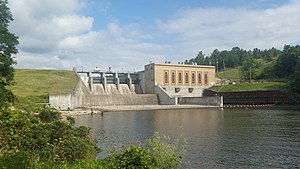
{"type": "Point", "coordinates": [159, 152]}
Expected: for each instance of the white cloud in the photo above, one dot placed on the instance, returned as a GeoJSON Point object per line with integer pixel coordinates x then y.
{"type": "Point", "coordinates": [223, 28]}
{"type": "Point", "coordinates": [54, 35]}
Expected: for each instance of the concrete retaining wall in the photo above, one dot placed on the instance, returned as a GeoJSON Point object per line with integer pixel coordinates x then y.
{"type": "Point", "coordinates": [62, 101]}
{"type": "Point", "coordinates": [163, 97]}
{"type": "Point", "coordinates": [196, 91]}
{"type": "Point", "coordinates": [216, 100]}
{"type": "Point", "coordinates": [126, 99]}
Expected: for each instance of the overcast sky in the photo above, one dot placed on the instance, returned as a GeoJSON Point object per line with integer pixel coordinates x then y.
{"type": "Point", "coordinates": [127, 34]}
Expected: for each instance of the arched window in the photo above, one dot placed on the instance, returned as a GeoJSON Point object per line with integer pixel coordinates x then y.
{"type": "Point", "coordinates": [166, 77]}
{"type": "Point", "coordinates": [180, 77]}
{"type": "Point", "coordinates": [193, 78]}
{"type": "Point", "coordinates": [205, 78]}
{"type": "Point", "coordinates": [199, 78]}
{"type": "Point", "coordinates": [186, 77]}
{"type": "Point", "coordinates": [173, 77]}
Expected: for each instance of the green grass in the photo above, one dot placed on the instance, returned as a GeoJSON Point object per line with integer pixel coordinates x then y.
{"type": "Point", "coordinates": [33, 82]}
{"type": "Point", "coordinates": [230, 74]}
{"type": "Point", "coordinates": [250, 86]}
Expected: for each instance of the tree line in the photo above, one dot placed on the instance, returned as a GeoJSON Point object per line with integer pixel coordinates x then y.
{"type": "Point", "coordinates": [268, 64]}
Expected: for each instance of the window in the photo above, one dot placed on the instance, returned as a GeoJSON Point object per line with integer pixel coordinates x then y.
{"type": "Point", "coordinates": [205, 79]}
{"type": "Point", "coordinates": [180, 77]}
{"type": "Point", "coordinates": [193, 78]}
{"type": "Point", "coordinates": [177, 90]}
{"type": "Point", "coordinates": [166, 77]}
{"type": "Point", "coordinates": [173, 77]}
{"type": "Point", "coordinates": [186, 77]}
{"type": "Point", "coordinates": [191, 90]}
{"type": "Point", "coordinates": [199, 78]}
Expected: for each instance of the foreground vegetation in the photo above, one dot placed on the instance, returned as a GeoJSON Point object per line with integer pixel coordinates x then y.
{"type": "Point", "coordinates": [44, 140]}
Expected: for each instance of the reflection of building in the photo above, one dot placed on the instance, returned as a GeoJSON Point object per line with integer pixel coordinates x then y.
{"type": "Point", "coordinates": [178, 79]}
{"type": "Point", "coordinates": [168, 84]}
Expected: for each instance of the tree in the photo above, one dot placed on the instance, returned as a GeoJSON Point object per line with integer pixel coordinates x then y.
{"type": "Point", "coordinates": [295, 82]}
{"type": "Point", "coordinates": [286, 63]}
{"type": "Point", "coordinates": [8, 43]}
{"type": "Point", "coordinates": [248, 69]}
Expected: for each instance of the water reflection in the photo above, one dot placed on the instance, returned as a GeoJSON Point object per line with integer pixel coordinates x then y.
{"type": "Point", "coordinates": [230, 138]}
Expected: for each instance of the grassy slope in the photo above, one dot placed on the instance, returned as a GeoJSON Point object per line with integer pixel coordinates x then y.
{"type": "Point", "coordinates": [250, 86]}
{"type": "Point", "coordinates": [230, 74]}
{"type": "Point", "coordinates": [33, 82]}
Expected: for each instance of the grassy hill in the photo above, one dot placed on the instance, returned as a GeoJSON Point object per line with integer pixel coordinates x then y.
{"type": "Point", "coordinates": [230, 74]}
{"type": "Point", "coordinates": [251, 86]}
{"type": "Point", "coordinates": [33, 82]}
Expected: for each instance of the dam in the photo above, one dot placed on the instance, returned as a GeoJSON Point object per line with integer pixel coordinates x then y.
{"type": "Point", "coordinates": [157, 84]}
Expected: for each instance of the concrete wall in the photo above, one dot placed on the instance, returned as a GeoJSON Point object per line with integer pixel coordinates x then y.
{"type": "Point", "coordinates": [196, 91]}
{"type": "Point", "coordinates": [126, 99]}
{"type": "Point", "coordinates": [62, 101]}
{"type": "Point", "coordinates": [216, 101]}
{"type": "Point", "coordinates": [148, 82]}
{"type": "Point", "coordinates": [163, 97]}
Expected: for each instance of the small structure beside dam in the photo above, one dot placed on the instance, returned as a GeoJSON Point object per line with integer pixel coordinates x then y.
{"type": "Point", "coordinates": [157, 84]}
{"type": "Point", "coordinates": [255, 98]}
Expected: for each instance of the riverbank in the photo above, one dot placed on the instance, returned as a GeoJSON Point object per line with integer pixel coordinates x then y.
{"type": "Point", "coordinates": [104, 109]}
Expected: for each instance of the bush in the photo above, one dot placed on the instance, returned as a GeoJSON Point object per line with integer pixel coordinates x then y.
{"type": "Point", "coordinates": [45, 136]}
{"type": "Point", "coordinates": [159, 152]}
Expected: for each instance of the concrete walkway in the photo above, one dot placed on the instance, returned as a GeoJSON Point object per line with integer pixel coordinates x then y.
{"type": "Point", "coordinates": [118, 108]}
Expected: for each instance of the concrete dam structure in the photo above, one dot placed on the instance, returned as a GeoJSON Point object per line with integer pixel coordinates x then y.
{"type": "Point", "coordinates": [157, 84]}
{"type": "Point", "coordinates": [96, 89]}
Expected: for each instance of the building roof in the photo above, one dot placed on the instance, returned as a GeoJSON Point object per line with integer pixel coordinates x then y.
{"type": "Point", "coordinates": [181, 65]}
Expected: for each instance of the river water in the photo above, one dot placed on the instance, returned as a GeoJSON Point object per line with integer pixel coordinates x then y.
{"type": "Point", "coordinates": [217, 138]}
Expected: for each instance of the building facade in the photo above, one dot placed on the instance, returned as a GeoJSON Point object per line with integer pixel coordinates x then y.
{"type": "Point", "coordinates": [178, 79]}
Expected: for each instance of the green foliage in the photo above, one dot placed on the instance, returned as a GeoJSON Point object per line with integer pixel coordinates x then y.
{"type": "Point", "coordinates": [18, 160]}
{"type": "Point", "coordinates": [287, 62]}
{"type": "Point", "coordinates": [30, 103]}
{"type": "Point", "coordinates": [166, 154]}
{"type": "Point", "coordinates": [295, 82]}
{"type": "Point", "coordinates": [160, 152]}
{"type": "Point", "coordinates": [43, 140]}
{"type": "Point", "coordinates": [8, 42]}
{"type": "Point", "coordinates": [48, 115]}
{"type": "Point", "coordinates": [6, 96]}
{"type": "Point", "coordinates": [45, 136]}
{"type": "Point", "coordinates": [130, 157]}
{"type": "Point", "coordinates": [89, 164]}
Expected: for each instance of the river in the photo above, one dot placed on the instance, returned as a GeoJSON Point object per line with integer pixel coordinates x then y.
{"type": "Point", "coordinates": [217, 138]}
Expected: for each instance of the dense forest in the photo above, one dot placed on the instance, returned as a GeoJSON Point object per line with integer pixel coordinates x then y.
{"type": "Point", "coordinates": [269, 64]}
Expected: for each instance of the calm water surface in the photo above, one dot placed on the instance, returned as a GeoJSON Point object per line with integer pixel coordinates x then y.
{"type": "Point", "coordinates": [217, 138]}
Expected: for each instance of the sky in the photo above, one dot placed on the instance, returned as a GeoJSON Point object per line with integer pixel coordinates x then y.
{"type": "Point", "coordinates": [127, 34]}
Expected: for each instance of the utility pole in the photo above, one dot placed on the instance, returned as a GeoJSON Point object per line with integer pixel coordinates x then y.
{"type": "Point", "coordinates": [240, 76]}
{"type": "Point", "coordinates": [217, 66]}
{"type": "Point", "coordinates": [224, 72]}
{"type": "Point", "coordinates": [250, 75]}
